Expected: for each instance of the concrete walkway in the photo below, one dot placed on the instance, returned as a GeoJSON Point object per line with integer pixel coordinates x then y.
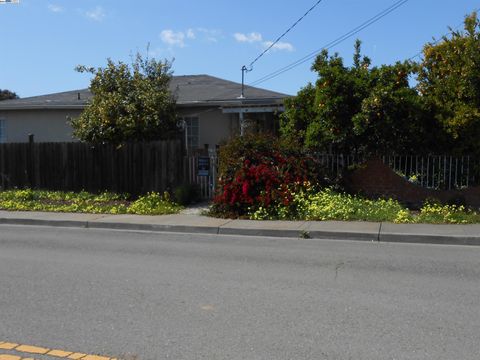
{"type": "Point", "coordinates": [193, 222]}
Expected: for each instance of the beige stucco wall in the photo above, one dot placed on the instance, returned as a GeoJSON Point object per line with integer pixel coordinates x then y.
{"type": "Point", "coordinates": [45, 125]}
{"type": "Point", "coordinates": [214, 126]}
{"type": "Point", "coordinates": [52, 125]}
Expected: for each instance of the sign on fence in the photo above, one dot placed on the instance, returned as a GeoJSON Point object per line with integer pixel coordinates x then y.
{"type": "Point", "coordinates": [203, 166]}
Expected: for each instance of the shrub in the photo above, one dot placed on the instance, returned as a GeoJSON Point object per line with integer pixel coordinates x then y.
{"type": "Point", "coordinates": [259, 171]}
{"type": "Point", "coordinates": [186, 194]}
{"type": "Point", "coordinates": [153, 204]}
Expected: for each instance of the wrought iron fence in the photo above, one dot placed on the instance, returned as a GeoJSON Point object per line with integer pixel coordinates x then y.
{"type": "Point", "coordinates": [442, 172]}
{"type": "Point", "coordinates": [206, 182]}
{"type": "Point", "coordinates": [437, 171]}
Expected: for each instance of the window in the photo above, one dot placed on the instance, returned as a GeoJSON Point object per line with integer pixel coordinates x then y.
{"type": "Point", "coordinates": [191, 132]}
{"type": "Point", "coordinates": [3, 131]}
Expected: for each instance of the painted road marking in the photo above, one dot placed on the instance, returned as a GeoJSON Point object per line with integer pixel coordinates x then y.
{"type": "Point", "coordinates": [9, 357]}
{"type": "Point", "coordinates": [7, 345]}
{"type": "Point", "coordinates": [29, 349]}
{"type": "Point", "coordinates": [77, 356]}
{"type": "Point", "coordinates": [95, 357]}
{"type": "Point", "coordinates": [12, 357]}
{"type": "Point", "coordinates": [59, 353]}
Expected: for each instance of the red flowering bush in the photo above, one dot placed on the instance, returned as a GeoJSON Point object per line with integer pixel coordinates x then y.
{"type": "Point", "coordinates": [260, 171]}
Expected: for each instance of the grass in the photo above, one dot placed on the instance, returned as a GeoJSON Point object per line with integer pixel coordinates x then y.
{"type": "Point", "coordinates": [84, 202]}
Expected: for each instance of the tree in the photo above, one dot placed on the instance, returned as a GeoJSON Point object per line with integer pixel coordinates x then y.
{"type": "Point", "coordinates": [449, 80]}
{"type": "Point", "coordinates": [338, 97]}
{"type": "Point", "coordinates": [393, 117]}
{"type": "Point", "coordinates": [7, 95]}
{"type": "Point", "coordinates": [130, 103]}
{"type": "Point", "coordinates": [360, 108]}
{"type": "Point", "coordinates": [299, 110]}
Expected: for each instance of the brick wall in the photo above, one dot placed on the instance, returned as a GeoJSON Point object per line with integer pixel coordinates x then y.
{"type": "Point", "coordinates": [375, 179]}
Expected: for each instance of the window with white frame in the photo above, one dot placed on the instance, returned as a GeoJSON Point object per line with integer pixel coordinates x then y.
{"type": "Point", "coordinates": [3, 131]}
{"type": "Point", "coordinates": [191, 132]}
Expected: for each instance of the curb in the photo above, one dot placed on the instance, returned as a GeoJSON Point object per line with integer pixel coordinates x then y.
{"type": "Point", "coordinates": [430, 239]}
{"type": "Point", "coordinates": [151, 227]}
{"type": "Point", "coordinates": [380, 237]}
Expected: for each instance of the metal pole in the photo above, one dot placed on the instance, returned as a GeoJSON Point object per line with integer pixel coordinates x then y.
{"type": "Point", "coordinates": [242, 123]}
{"type": "Point", "coordinates": [244, 69]}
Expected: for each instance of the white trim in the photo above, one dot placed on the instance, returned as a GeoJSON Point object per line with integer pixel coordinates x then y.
{"type": "Point", "coordinates": [259, 109]}
{"type": "Point", "coordinates": [190, 144]}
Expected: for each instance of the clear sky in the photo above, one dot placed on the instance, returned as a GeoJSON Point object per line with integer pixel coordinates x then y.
{"type": "Point", "coordinates": [43, 41]}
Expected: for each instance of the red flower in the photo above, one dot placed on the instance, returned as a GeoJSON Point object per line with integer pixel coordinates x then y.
{"type": "Point", "coordinates": [245, 188]}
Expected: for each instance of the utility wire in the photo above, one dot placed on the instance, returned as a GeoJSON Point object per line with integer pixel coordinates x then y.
{"type": "Point", "coordinates": [333, 43]}
{"type": "Point", "coordinates": [285, 33]}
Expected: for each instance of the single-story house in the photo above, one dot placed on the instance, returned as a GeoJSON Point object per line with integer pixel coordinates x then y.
{"type": "Point", "coordinates": [212, 109]}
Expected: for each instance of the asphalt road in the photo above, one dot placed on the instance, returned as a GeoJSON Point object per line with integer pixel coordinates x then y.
{"type": "Point", "coordinates": [179, 296]}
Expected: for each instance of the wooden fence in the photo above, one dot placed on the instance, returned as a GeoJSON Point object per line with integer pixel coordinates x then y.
{"type": "Point", "coordinates": [134, 168]}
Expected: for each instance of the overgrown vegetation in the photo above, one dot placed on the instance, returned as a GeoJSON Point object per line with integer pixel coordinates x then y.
{"type": "Point", "coordinates": [259, 171]}
{"type": "Point", "coordinates": [378, 109]}
{"type": "Point", "coordinates": [7, 95]}
{"type": "Point", "coordinates": [326, 204]}
{"type": "Point", "coordinates": [130, 103]}
{"type": "Point", "coordinates": [84, 202]}
{"type": "Point", "coordinates": [263, 178]}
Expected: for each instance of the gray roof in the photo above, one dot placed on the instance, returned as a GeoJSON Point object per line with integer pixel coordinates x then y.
{"type": "Point", "coordinates": [190, 90]}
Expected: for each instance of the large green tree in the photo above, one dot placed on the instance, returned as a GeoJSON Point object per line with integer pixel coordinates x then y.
{"type": "Point", "coordinates": [360, 108]}
{"type": "Point", "coordinates": [7, 95]}
{"type": "Point", "coordinates": [299, 112]}
{"type": "Point", "coordinates": [449, 81]}
{"type": "Point", "coordinates": [393, 117]}
{"type": "Point", "coordinates": [130, 103]}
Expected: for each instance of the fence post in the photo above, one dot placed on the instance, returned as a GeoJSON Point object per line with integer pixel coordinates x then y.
{"type": "Point", "coordinates": [30, 162]}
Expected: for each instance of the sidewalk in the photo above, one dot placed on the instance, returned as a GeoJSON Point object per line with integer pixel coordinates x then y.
{"type": "Point", "coordinates": [192, 222]}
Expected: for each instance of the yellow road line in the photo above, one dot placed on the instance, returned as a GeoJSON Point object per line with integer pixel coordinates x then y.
{"type": "Point", "coordinates": [59, 353]}
{"type": "Point", "coordinates": [77, 356]}
{"type": "Point", "coordinates": [13, 357]}
{"type": "Point", "coordinates": [7, 346]}
{"type": "Point", "coordinates": [29, 349]}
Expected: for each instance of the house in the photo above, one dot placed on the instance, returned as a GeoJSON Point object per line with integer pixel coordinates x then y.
{"type": "Point", "coordinates": [211, 109]}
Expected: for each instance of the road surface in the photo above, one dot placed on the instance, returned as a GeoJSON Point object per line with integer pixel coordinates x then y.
{"type": "Point", "coordinates": [134, 295]}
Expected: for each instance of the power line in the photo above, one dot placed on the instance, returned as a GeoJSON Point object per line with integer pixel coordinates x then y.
{"type": "Point", "coordinates": [285, 33]}
{"type": "Point", "coordinates": [250, 67]}
{"type": "Point", "coordinates": [333, 43]}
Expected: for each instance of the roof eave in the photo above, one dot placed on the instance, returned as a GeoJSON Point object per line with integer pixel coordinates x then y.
{"type": "Point", "coordinates": [232, 102]}
{"type": "Point", "coordinates": [42, 107]}
{"type": "Point", "coordinates": [200, 103]}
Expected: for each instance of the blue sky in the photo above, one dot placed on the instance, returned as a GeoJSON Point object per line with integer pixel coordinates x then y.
{"type": "Point", "coordinates": [43, 41]}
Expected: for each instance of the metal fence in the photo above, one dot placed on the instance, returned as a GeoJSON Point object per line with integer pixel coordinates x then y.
{"type": "Point", "coordinates": [443, 172]}
{"type": "Point", "coordinates": [437, 171]}
{"type": "Point", "coordinates": [206, 181]}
